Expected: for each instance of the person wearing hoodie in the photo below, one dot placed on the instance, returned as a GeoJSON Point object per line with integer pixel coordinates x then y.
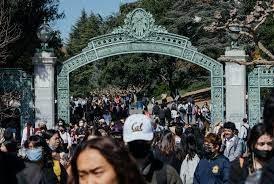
{"type": "Point", "coordinates": [138, 135]}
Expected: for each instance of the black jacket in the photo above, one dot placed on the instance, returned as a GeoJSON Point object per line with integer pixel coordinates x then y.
{"type": "Point", "coordinates": [238, 174]}
{"type": "Point", "coordinates": [268, 173]}
{"type": "Point", "coordinates": [10, 165]}
{"type": "Point", "coordinates": [36, 174]}
{"type": "Point", "coordinates": [156, 172]}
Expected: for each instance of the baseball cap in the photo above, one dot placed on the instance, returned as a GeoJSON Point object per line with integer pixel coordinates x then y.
{"type": "Point", "coordinates": [137, 127]}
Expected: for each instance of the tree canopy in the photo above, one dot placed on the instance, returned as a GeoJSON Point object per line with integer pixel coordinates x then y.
{"type": "Point", "coordinates": [27, 16]}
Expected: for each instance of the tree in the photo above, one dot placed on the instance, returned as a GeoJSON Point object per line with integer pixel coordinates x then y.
{"type": "Point", "coordinates": [87, 27]}
{"type": "Point", "coordinates": [9, 32]}
{"type": "Point", "coordinates": [28, 15]}
{"type": "Point", "coordinates": [256, 28]}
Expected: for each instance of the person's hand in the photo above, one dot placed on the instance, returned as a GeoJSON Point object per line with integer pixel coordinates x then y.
{"type": "Point", "coordinates": [56, 156]}
{"type": "Point", "coordinates": [223, 137]}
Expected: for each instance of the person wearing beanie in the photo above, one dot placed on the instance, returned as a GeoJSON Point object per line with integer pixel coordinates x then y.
{"type": "Point", "coordinates": [138, 135]}
{"type": "Point", "coordinates": [232, 146]}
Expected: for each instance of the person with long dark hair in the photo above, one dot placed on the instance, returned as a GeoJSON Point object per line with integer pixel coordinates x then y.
{"type": "Point", "coordinates": [165, 151]}
{"type": "Point", "coordinates": [102, 160]}
{"type": "Point", "coordinates": [268, 116]}
{"type": "Point", "coordinates": [38, 163]}
{"type": "Point", "coordinates": [191, 160]}
{"type": "Point", "coordinates": [260, 146]}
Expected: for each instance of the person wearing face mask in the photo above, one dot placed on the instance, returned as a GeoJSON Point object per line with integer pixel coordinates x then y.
{"type": "Point", "coordinates": [248, 170]}
{"type": "Point", "coordinates": [232, 146]}
{"type": "Point", "coordinates": [268, 117]}
{"type": "Point", "coordinates": [38, 163]}
{"type": "Point", "coordinates": [52, 138]}
{"type": "Point", "coordinates": [214, 167]}
{"type": "Point", "coordinates": [138, 135]}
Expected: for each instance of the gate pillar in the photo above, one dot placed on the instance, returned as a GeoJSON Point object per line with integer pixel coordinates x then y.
{"type": "Point", "coordinates": [44, 87]}
{"type": "Point", "coordinates": [235, 80]}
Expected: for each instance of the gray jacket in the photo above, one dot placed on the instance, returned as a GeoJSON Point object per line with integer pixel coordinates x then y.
{"type": "Point", "coordinates": [234, 150]}
{"type": "Point", "coordinates": [156, 172]}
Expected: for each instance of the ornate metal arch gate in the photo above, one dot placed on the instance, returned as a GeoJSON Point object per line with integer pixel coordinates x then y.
{"type": "Point", "coordinates": [261, 76]}
{"type": "Point", "coordinates": [18, 80]}
{"type": "Point", "coordinates": [139, 34]}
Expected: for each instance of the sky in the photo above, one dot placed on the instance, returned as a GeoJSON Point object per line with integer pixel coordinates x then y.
{"type": "Point", "coordinates": [73, 8]}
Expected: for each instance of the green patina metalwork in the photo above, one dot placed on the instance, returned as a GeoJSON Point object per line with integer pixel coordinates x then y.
{"type": "Point", "coordinates": [259, 77]}
{"type": "Point", "coordinates": [139, 34]}
{"type": "Point", "coordinates": [16, 80]}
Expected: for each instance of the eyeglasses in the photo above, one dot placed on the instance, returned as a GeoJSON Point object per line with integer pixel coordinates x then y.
{"type": "Point", "coordinates": [265, 143]}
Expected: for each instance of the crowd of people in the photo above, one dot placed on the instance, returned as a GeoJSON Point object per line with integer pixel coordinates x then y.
{"type": "Point", "coordinates": [170, 144]}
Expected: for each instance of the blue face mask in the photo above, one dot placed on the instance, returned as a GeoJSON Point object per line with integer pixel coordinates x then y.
{"type": "Point", "coordinates": [34, 154]}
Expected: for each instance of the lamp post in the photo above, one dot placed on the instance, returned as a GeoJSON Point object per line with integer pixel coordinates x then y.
{"type": "Point", "coordinates": [44, 62]}
{"type": "Point", "coordinates": [44, 34]}
{"type": "Point", "coordinates": [234, 33]}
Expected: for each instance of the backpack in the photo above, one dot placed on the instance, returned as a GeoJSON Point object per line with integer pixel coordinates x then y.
{"type": "Point", "coordinates": [189, 109]}
{"type": "Point", "coordinates": [247, 133]}
{"type": "Point", "coordinates": [182, 109]}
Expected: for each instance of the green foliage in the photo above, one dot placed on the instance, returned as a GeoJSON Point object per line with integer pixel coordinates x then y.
{"type": "Point", "coordinates": [87, 27]}
{"type": "Point", "coordinates": [29, 16]}
{"type": "Point", "coordinates": [266, 34]}
{"type": "Point", "coordinates": [154, 73]}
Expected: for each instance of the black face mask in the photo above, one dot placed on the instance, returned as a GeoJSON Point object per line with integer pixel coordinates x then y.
{"type": "Point", "coordinates": [208, 153]}
{"type": "Point", "coordinates": [139, 149]}
{"type": "Point", "coordinates": [263, 154]}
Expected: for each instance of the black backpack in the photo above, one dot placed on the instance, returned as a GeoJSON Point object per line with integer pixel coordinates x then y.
{"type": "Point", "coordinates": [189, 109]}
{"type": "Point", "coordinates": [182, 109]}
{"type": "Point", "coordinates": [247, 133]}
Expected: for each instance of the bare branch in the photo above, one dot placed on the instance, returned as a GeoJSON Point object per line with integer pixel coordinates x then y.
{"type": "Point", "coordinates": [241, 62]}
{"type": "Point", "coordinates": [9, 32]}
{"type": "Point", "coordinates": [267, 52]}
{"type": "Point", "coordinates": [250, 24]}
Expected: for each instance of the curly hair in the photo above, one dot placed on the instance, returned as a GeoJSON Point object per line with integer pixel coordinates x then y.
{"type": "Point", "coordinates": [214, 139]}
{"type": "Point", "coordinates": [116, 154]}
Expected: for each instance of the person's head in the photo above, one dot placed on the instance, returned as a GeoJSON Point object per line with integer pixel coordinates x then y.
{"type": "Point", "coordinates": [81, 123]}
{"type": "Point", "coordinates": [167, 143]}
{"type": "Point", "coordinates": [189, 130]}
{"type": "Point", "coordinates": [138, 134]}
{"type": "Point", "coordinates": [260, 142]}
{"type": "Point", "coordinates": [29, 124]}
{"type": "Point", "coordinates": [8, 134]}
{"type": "Point", "coordinates": [62, 128]}
{"type": "Point", "coordinates": [102, 160]}
{"type": "Point", "coordinates": [245, 120]}
{"type": "Point", "coordinates": [191, 146]}
{"type": "Point", "coordinates": [53, 138]}
{"type": "Point", "coordinates": [212, 145]}
{"type": "Point", "coordinates": [37, 149]}
{"type": "Point", "coordinates": [229, 129]}
{"type": "Point", "coordinates": [268, 114]}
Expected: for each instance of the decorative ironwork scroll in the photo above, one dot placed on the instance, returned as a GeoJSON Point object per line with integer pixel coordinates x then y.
{"type": "Point", "coordinates": [261, 76]}
{"type": "Point", "coordinates": [17, 81]}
